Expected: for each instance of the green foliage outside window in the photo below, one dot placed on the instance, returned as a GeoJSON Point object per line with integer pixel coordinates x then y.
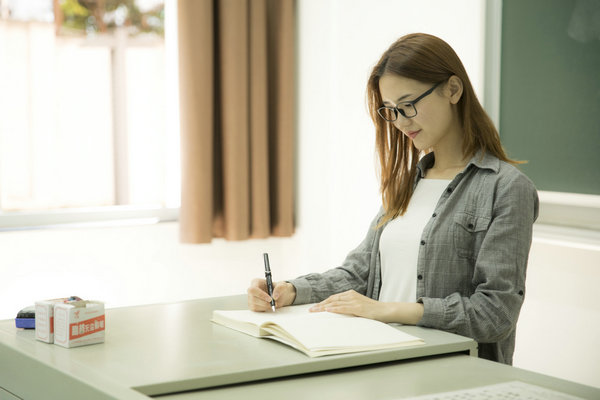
{"type": "Point", "coordinates": [103, 16]}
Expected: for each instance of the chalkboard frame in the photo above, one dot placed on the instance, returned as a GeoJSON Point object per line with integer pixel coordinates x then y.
{"type": "Point", "coordinates": [574, 210]}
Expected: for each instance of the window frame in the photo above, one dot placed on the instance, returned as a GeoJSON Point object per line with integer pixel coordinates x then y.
{"type": "Point", "coordinates": [115, 215]}
{"type": "Point", "coordinates": [87, 217]}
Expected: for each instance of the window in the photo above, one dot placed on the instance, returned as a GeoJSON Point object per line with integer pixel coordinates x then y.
{"type": "Point", "coordinates": [89, 111]}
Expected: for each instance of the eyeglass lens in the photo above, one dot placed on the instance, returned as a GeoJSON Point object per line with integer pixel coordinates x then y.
{"type": "Point", "coordinates": [390, 114]}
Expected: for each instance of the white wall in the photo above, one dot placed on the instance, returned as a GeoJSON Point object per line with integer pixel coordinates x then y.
{"type": "Point", "coordinates": [339, 42]}
{"type": "Point", "coordinates": [558, 332]}
{"type": "Point", "coordinates": [337, 196]}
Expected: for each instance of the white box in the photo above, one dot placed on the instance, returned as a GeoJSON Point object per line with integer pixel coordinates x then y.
{"type": "Point", "coordinates": [44, 319]}
{"type": "Point", "coordinates": [79, 323]}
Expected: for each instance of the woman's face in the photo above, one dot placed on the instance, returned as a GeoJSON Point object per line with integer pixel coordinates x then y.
{"type": "Point", "coordinates": [435, 118]}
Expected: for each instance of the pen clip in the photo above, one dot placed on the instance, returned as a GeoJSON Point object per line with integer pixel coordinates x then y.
{"type": "Point", "coordinates": [267, 266]}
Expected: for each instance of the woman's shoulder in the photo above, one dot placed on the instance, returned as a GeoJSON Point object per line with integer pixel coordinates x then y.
{"type": "Point", "coordinates": [504, 183]}
{"type": "Point", "coordinates": [503, 172]}
{"type": "Point", "coordinates": [511, 173]}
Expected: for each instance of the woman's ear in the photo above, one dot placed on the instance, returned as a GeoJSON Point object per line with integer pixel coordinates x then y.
{"type": "Point", "coordinates": [454, 89]}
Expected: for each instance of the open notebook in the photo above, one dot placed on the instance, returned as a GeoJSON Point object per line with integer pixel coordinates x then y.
{"type": "Point", "coordinates": [316, 334]}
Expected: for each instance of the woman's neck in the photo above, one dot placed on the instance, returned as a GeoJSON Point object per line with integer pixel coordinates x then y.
{"type": "Point", "coordinates": [449, 159]}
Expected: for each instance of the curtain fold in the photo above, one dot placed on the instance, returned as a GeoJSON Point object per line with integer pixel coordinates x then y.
{"type": "Point", "coordinates": [237, 91]}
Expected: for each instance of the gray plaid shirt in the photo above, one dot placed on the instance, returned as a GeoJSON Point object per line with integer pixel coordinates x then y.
{"type": "Point", "coordinates": [472, 258]}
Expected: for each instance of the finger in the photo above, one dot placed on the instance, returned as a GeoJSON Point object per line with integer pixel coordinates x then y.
{"type": "Point", "coordinates": [258, 294]}
{"type": "Point", "coordinates": [341, 309]}
{"type": "Point", "coordinates": [334, 306]}
{"type": "Point", "coordinates": [252, 303]}
{"type": "Point", "coordinates": [334, 298]}
{"type": "Point", "coordinates": [259, 288]}
{"type": "Point", "coordinates": [260, 283]}
{"type": "Point", "coordinates": [325, 305]}
{"type": "Point", "coordinates": [322, 305]}
{"type": "Point", "coordinates": [258, 307]}
{"type": "Point", "coordinates": [258, 298]}
{"type": "Point", "coordinates": [258, 304]}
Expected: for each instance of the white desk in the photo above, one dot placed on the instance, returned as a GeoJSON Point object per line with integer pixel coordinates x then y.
{"type": "Point", "coordinates": [164, 350]}
{"type": "Point", "coordinates": [396, 380]}
{"type": "Point", "coordinates": [168, 348]}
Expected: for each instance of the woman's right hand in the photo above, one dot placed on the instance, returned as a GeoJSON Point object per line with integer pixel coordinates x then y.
{"type": "Point", "coordinates": [284, 294]}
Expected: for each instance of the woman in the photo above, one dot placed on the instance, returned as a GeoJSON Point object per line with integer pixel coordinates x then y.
{"type": "Point", "coordinates": [449, 248]}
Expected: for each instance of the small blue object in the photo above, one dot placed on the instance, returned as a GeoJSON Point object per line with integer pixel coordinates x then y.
{"type": "Point", "coordinates": [25, 323]}
{"type": "Point", "coordinates": [26, 318]}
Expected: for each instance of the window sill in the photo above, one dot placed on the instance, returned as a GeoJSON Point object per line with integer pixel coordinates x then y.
{"type": "Point", "coordinates": [87, 217]}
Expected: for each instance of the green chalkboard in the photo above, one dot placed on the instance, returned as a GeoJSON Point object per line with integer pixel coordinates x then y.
{"type": "Point", "coordinates": [550, 91]}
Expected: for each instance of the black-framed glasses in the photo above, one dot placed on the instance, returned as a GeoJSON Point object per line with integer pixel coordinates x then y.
{"type": "Point", "coordinates": [406, 108]}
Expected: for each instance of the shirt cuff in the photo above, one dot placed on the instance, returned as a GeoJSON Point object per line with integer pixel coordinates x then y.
{"type": "Point", "coordinates": [303, 290]}
{"type": "Point", "coordinates": [433, 313]}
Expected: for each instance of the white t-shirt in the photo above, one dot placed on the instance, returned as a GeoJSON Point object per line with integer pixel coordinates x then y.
{"type": "Point", "coordinates": [400, 242]}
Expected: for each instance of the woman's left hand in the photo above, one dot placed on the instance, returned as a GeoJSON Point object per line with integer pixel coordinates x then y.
{"type": "Point", "coordinates": [351, 303]}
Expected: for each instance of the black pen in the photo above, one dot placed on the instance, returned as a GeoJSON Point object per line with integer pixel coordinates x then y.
{"type": "Point", "coordinates": [269, 280]}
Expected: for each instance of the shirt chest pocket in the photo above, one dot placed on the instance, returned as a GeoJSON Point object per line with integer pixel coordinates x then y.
{"type": "Point", "coordinates": [469, 232]}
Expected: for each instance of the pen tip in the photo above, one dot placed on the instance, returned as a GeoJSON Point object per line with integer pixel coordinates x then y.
{"type": "Point", "coordinates": [273, 308]}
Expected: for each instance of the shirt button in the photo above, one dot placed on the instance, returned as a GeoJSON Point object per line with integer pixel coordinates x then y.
{"type": "Point", "coordinates": [520, 293]}
{"type": "Point", "coordinates": [449, 190]}
{"type": "Point", "coordinates": [434, 215]}
{"type": "Point", "coordinates": [422, 243]}
{"type": "Point", "coordinates": [420, 277]}
{"type": "Point", "coordinates": [470, 226]}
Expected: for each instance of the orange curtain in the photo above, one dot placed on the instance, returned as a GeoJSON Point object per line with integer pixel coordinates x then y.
{"type": "Point", "coordinates": [237, 90]}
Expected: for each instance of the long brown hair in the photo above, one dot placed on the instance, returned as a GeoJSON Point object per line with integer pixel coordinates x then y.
{"type": "Point", "coordinates": [428, 59]}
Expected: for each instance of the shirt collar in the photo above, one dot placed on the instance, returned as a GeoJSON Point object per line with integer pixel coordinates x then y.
{"type": "Point", "coordinates": [484, 160]}
{"type": "Point", "coordinates": [425, 163]}
{"type": "Point", "coordinates": [481, 159]}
